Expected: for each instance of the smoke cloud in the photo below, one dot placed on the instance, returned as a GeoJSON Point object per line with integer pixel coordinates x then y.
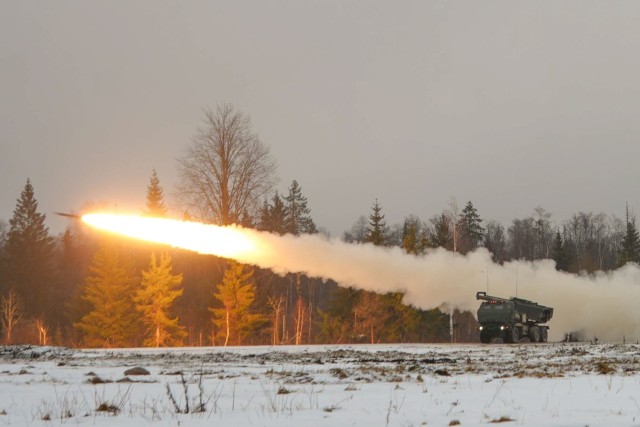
{"type": "Point", "coordinates": [604, 305]}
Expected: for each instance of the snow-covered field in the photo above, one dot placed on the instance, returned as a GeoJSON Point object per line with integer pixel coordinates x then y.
{"type": "Point", "coordinates": [378, 385]}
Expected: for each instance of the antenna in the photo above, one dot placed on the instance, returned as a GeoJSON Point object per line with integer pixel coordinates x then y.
{"type": "Point", "coordinates": [487, 279]}
{"type": "Point", "coordinates": [516, 279]}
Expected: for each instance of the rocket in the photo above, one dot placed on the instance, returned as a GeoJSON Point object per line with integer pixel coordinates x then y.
{"type": "Point", "coordinates": [69, 215]}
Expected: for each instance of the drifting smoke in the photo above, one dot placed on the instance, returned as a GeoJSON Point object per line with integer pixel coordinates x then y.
{"type": "Point", "coordinates": [604, 305]}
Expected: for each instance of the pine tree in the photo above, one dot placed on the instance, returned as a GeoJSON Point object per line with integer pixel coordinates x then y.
{"type": "Point", "coordinates": [298, 216]}
{"type": "Point", "coordinates": [159, 289]}
{"type": "Point", "coordinates": [559, 253]}
{"type": "Point", "coordinates": [441, 235]}
{"type": "Point", "coordinates": [470, 228]}
{"type": "Point", "coordinates": [377, 230]}
{"type": "Point", "coordinates": [273, 216]}
{"type": "Point", "coordinates": [28, 256]}
{"type": "Point", "coordinates": [155, 197]}
{"type": "Point", "coordinates": [630, 251]}
{"type": "Point", "coordinates": [109, 286]}
{"type": "Point", "coordinates": [236, 293]}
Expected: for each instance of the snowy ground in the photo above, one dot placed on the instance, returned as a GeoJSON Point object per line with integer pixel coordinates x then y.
{"type": "Point", "coordinates": [394, 385]}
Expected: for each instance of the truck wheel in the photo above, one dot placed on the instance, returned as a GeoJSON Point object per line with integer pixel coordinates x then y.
{"type": "Point", "coordinates": [512, 335]}
{"type": "Point", "coordinates": [543, 334]}
{"type": "Point", "coordinates": [534, 334]}
{"type": "Point", "coordinates": [485, 337]}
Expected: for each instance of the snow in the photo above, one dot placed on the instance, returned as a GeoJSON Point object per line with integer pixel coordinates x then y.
{"type": "Point", "coordinates": [352, 385]}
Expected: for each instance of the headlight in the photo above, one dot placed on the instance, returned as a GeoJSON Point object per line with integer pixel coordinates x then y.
{"type": "Point", "coordinates": [502, 328]}
{"type": "Point", "coordinates": [480, 328]}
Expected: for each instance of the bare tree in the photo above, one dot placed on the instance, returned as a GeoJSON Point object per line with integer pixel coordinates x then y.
{"type": "Point", "coordinates": [226, 170]}
{"type": "Point", "coordinates": [10, 313]}
{"type": "Point", "coordinates": [522, 237]}
{"type": "Point", "coordinates": [495, 241]}
{"type": "Point", "coordinates": [453, 214]}
{"type": "Point", "coordinates": [301, 312]}
{"type": "Point", "coordinates": [358, 232]}
{"type": "Point", "coordinates": [276, 304]}
{"type": "Point", "coordinates": [4, 231]}
{"type": "Point", "coordinates": [593, 240]}
{"type": "Point", "coordinates": [543, 233]}
{"type": "Point", "coordinates": [43, 331]}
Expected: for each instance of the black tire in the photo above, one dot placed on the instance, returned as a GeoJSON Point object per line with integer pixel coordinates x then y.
{"type": "Point", "coordinates": [512, 335]}
{"type": "Point", "coordinates": [544, 334]}
{"type": "Point", "coordinates": [534, 334]}
{"type": "Point", "coordinates": [485, 337]}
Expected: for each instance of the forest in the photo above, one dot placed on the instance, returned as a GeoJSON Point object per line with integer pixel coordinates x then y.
{"type": "Point", "coordinates": [83, 288]}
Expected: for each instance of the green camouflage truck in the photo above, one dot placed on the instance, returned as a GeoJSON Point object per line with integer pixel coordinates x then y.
{"type": "Point", "coordinates": [512, 319]}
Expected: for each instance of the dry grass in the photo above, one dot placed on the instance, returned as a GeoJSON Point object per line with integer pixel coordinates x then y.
{"type": "Point", "coordinates": [603, 367]}
{"type": "Point", "coordinates": [502, 419]}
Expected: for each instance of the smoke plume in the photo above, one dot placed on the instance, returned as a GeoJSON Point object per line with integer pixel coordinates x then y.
{"type": "Point", "coordinates": [604, 305]}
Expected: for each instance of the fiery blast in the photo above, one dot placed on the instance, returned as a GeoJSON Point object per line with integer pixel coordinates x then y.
{"type": "Point", "coordinates": [604, 305]}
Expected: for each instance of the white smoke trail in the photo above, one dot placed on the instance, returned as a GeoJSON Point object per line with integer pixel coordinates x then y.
{"type": "Point", "coordinates": [604, 305]}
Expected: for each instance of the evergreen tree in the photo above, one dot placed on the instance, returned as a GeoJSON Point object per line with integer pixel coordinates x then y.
{"type": "Point", "coordinates": [377, 230]}
{"type": "Point", "coordinates": [246, 220]}
{"type": "Point", "coordinates": [630, 251]}
{"type": "Point", "coordinates": [559, 253]}
{"type": "Point", "coordinates": [154, 299]}
{"type": "Point", "coordinates": [273, 216]}
{"type": "Point", "coordinates": [155, 197]}
{"type": "Point", "coordinates": [440, 237]}
{"type": "Point", "coordinates": [298, 216]}
{"type": "Point", "coordinates": [236, 293]}
{"type": "Point", "coordinates": [472, 232]}
{"type": "Point", "coordinates": [28, 257]}
{"type": "Point", "coordinates": [109, 286]}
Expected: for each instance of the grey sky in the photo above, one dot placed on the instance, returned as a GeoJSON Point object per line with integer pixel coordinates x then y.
{"type": "Point", "coordinates": [508, 104]}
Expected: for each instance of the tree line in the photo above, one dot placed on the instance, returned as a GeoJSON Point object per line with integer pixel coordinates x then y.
{"type": "Point", "coordinates": [84, 288]}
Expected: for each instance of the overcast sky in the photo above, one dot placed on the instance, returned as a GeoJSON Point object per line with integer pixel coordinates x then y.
{"type": "Point", "coordinates": [511, 105]}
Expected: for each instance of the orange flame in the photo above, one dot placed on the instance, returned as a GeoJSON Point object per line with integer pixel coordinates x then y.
{"type": "Point", "coordinates": [227, 242]}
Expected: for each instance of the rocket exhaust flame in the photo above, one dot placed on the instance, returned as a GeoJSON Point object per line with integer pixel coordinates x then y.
{"type": "Point", "coordinates": [604, 305]}
{"type": "Point", "coordinates": [227, 242]}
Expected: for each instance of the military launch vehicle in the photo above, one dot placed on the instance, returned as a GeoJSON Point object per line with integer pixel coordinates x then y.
{"type": "Point", "coordinates": [512, 319]}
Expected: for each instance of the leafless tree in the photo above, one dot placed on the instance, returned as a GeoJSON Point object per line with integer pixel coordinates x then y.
{"type": "Point", "coordinates": [544, 233]}
{"type": "Point", "coordinates": [10, 313]}
{"type": "Point", "coordinates": [453, 214]}
{"type": "Point", "coordinates": [358, 232]}
{"type": "Point", "coordinates": [301, 312]}
{"type": "Point", "coordinates": [495, 241]}
{"type": "Point", "coordinates": [4, 230]}
{"type": "Point", "coordinates": [43, 331]}
{"type": "Point", "coordinates": [276, 304]}
{"type": "Point", "coordinates": [226, 170]}
{"type": "Point", "coordinates": [593, 239]}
